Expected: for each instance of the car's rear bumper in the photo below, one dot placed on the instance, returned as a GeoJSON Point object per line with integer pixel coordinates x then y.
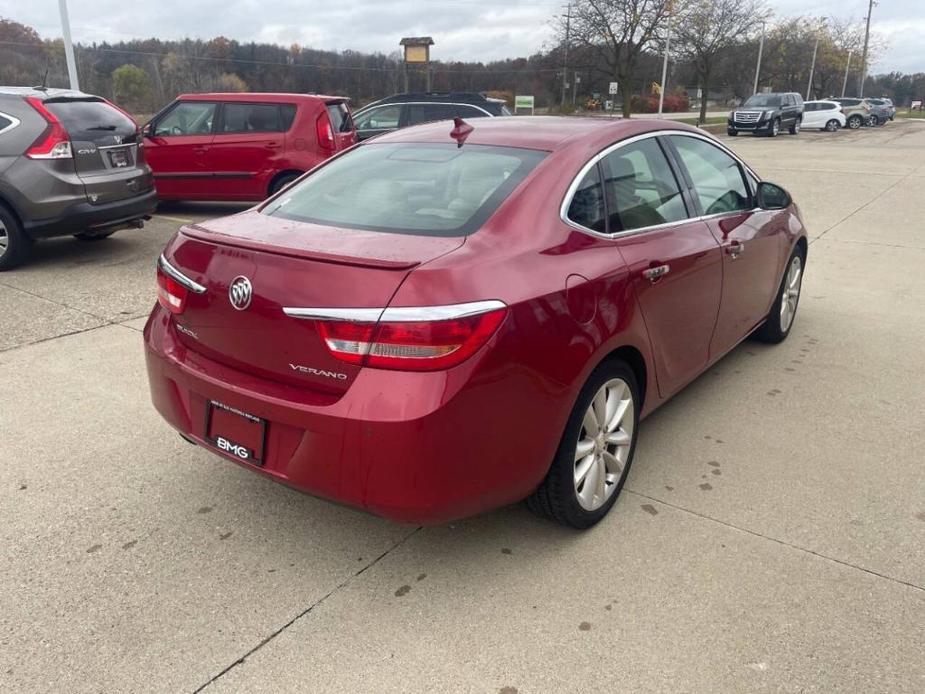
{"type": "Point", "coordinates": [414, 447]}
{"type": "Point", "coordinates": [82, 217]}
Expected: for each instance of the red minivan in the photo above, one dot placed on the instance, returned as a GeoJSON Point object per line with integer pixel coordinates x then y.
{"type": "Point", "coordinates": [242, 146]}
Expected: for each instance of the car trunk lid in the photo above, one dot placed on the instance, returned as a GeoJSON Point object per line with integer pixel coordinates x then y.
{"type": "Point", "coordinates": [106, 147]}
{"type": "Point", "coordinates": [288, 265]}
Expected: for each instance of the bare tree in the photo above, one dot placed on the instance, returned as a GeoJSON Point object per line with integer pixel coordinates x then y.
{"type": "Point", "coordinates": [705, 28]}
{"type": "Point", "coordinates": [616, 32]}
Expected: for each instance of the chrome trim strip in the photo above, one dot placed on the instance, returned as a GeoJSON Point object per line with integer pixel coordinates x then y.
{"type": "Point", "coordinates": [570, 193]}
{"type": "Point", "coordinates": [396, 314]}
{"type": "Point", "coordinates": [127, 144]}
{"type": "Point", "coordinates": [372, 107]}
{"type": "Point", "coordinates": [170, 270]}
{"type": "Point", "coordinates": [352, 315]}
{"type": "Point", "coordinates": [14, 122]}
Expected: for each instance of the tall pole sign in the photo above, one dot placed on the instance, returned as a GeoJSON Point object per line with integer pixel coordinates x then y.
{"type": "Point", "coordinates": [68, 46]}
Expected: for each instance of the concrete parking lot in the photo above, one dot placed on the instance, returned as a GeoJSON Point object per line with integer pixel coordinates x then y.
{"type": "Point", "coordinates": [771, 536]}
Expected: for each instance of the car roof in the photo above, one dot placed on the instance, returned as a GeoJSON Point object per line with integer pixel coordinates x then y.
{"type": "Point", "coordinates": [45, 93]}
{"type": "Point", "coordinates": [821, 101]}
{"type": "Point", "coordinates": [261, 97]}
{"type": "Point", "coordinates": [547, 133]}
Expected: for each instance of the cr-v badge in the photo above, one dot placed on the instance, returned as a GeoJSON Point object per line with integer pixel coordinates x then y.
{"type": "Point", "coordinates": [240, 292]}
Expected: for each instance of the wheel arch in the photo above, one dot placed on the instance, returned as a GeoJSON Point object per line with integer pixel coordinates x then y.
{"type": "Point", "coordinates": [280, 175]}
{"type": "Point", "coordinates": [637, 363]}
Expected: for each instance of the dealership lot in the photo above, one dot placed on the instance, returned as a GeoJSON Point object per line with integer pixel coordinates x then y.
{"type": "Point", "coordinates": [771, 537]}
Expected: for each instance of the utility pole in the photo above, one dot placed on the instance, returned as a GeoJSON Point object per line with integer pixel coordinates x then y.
{"type": "Point", "coordinates": [575, 80]}
{"type": "Point", "coordinates": [758, 67]}
{"type": "Point", "coordinates": [68, 46]}
{"type": "Point", "coordinates": [812, 67]}
{"type": "Point", "coordinates": [870, 9]}
{"type": "Point", "coordinates": [568, 26]}
{"type": "Point", "coordinates": [844, 85]}
{"type": "Point", "coordinates": [661, 93]}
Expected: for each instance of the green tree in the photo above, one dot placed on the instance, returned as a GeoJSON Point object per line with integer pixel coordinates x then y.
{"type": "Point", "coordinates": [131, 88]}
{"type": "Point", "coordinates": [230, 82]}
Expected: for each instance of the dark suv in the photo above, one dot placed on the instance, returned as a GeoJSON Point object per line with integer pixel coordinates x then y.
{"type": "Point", "coordinates": [70, 163]}
{"type": "Point", "coordinates": [768, 114]}
{"type": "Point", "coordinates": [402, 110]}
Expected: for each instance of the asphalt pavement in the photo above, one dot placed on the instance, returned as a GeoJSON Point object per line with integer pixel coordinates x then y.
{"type": "Point", "coordinates": [771, 536]}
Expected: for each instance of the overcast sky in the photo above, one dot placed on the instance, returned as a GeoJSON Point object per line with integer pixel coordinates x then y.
{"type": "Point", "coordinates": [462, 29]}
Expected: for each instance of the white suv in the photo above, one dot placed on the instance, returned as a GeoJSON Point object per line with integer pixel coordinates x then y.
{"type": "Point", "coordinates": [823, 115]}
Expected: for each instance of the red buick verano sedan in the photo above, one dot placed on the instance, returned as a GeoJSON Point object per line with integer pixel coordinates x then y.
{"type": "Point", "coordinates": [447, 319]}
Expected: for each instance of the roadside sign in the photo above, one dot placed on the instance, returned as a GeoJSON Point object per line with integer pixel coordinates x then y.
{"type": "Point", "coordinates": [524, 101]}
{"type": "Point", "coordinates": [608, 105]}
{"type": "Point", "coordinates": [614, 87]}
{"type": "Point", "coordinates": [916, 105]}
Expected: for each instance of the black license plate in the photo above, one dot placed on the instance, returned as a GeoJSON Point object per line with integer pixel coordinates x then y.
{"type": "Point", "coordinates": [118, 158]}
{"type": "Point", "coordinates": [236, 433]}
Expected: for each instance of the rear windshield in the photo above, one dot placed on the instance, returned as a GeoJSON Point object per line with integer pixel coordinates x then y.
{"type": "Point", "coordinates": [771, 100]}
{"type": "Point", "coordinates": [409, 188]}
{"type": "Point", "coordinates": [87, 120]}
{"type": "Point", "coordinates": [340, 117]}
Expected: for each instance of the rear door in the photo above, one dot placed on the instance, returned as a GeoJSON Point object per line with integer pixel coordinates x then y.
{"type": "Point", "coordinates": [674, 259]}
{"type": "Point", "coordinates": [176, 145]}
{"type": "Point", "coordinates": [752, 240]}
{"type": "Point", "coordinates": [811, 115]}
{"type": "Point", "coordinates": [105, 144]}
{"type": "Point", "coordinates": [247, 148]}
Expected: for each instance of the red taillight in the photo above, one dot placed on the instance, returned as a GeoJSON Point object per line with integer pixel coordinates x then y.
{"type": "Point", "coordinates": [427, 345]}
{"type": "Point", "coordinates": [170, 293]}
{"type": "Point", "coordinates": [325, 133]}
{"type": "Point", "coordinates": [54, 142]}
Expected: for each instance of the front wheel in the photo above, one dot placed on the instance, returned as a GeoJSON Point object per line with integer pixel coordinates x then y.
{"type": "Point", "coordinates": [874, 121]}
{"type": "Point", "coordinates": [779, 321]}
{"type": "Point", "coordinates": [775, 128]}
{"type": "Point", "coordinates": [795, 128]}
{"type": "Point", "coordinates": [855, 122]}
{"type": "Point", "coordinates": [596, 450]}
{"type": "Point", "coordinates": [832, 126]}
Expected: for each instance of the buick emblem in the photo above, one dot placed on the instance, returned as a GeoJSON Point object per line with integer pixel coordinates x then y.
{"type": "Point", "coordinates": [240, 292]}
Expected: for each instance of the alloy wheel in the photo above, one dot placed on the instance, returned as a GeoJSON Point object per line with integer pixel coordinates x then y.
{"type": "Point", "coordinates": [604, 444]}
{"type": "Point", "coordinates": [775, 128]}
{"type": "Point", "coordinates": [854, 122]}
{"type": "Point", "coordinates": [4, 239]}
{"type": "Point", "coordinates": [796, 127]}
{"type": "Point", "coordinates": [791, 292]}
{"type": "Point", "coordinates": [832, 125]}
{"type": "Point", "coordinates": [874, 121]}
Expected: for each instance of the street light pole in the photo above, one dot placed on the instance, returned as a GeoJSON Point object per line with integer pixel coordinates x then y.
{"type": "Point", "coordinates": [661, 92]}
{"type": "Point", "coordinates": [68, 46]}
{"type": "Point", "coordinates": [758, 67]}
{"type": "Point", "coordinates": [844, 85]}
{"type": "Point", "coordinates": [568, 25]}
{"type": "Point", "coordinates": [812, 67]}
{"type": "Point", "coordinates": [870, 9]}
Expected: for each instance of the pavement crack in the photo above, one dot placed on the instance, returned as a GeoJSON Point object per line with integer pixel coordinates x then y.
{"type": "Point", "coordinates": [55, 337]}
{"type": "Point", "coordinates": [306, 611]}
{"type": "Point", "coordinates": [779, 541]}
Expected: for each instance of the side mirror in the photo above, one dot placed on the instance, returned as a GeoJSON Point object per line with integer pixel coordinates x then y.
{"type": "Point", "coordinates": [148, 130]}
{"type": "Point", "coordinates": [772, 197]}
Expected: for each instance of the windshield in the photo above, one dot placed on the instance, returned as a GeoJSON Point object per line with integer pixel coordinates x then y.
{"type": "Point", "coordinates": [763, 100]}
{"type": "Point", "coordinates": [409, 188]}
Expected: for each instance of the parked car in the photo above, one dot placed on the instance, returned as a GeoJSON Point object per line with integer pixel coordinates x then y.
{"type": "Point", "coordinates": [823, 115]}
{"type": "Point", "coordinates": [403, 110]}
{"type": "Point", "coordinates": [882, 110]}
{"type": "Point", "coordinates": [70, 164]}
{"type": "Point", "coordinates": [857, 111]}
{"type": "Point", "coordinates": [441, 322]}
{"type": "Point", "coordinates": [243, 146]}
{"type": "Point", "coordinates": [768, 114]}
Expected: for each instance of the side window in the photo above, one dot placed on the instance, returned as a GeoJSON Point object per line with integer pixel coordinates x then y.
{"type": "Point", "coordinates": [4, 123]}
{"type": "Point", "coordinates": [287, 115]}
{"type": "Point", "coordinates": [187, 118]}
{"type": "Point", "coordinates": [469, 112]}
{"type": "Point", "coordinates": [251, 118]}
{"type": "Point", "coordinates": [587, 205]}
{"type": "Point", "coordinates": [427, 113]}
{"type": "Point", "coordinates": [380, 118]}
{"type": "Point", "coordinates": [717, 177]}
{"type": "Point", "coordinates": [640, 187]}
{"type": "Point", "coordinates": [810, 107]}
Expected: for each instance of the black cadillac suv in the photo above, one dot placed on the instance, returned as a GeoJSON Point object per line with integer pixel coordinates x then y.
{"type": "Point", "coordinates": [767, 114]}
{"type": "Point", "coordinates": [70, 164]}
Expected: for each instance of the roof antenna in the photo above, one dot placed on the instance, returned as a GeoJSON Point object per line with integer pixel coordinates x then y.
{"type": "Point", "coordinates": [42, 87]}
{"type": "Point", "coordinates": [461, 130]}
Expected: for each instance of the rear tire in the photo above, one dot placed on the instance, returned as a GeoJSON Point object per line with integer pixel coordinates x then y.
{"type": "Point", "coordinates": [589, 454]}
{"type": "Point", "coordinates": [282, 182]}
{"type": "Point", "coordinates": [780, 320]}
{"type": "Point", "coordinates": [14, 244]}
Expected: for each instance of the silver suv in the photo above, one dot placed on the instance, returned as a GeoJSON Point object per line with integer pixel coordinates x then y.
{"type": "Point", "coordinates": [70, 163]}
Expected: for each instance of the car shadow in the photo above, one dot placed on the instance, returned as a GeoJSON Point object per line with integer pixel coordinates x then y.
{"type": "Point", "coordinates": [186, 208]}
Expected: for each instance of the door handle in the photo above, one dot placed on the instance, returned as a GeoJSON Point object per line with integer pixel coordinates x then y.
{"type": "Point", "coordinates": [654, 273]}
{"type": "Point", "coordinates": [735, 249]}
{"type": "Point", "coordinates": [272, 145]}
{"type": "Point", "coordinates": [200, 150]}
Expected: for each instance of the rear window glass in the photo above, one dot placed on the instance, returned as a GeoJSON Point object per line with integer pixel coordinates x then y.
{"type": "Point", "coordinates": [409, 188]}
{"type": "Point", "coordinates": [340, 117]}
{"type": "Point", "coordinates": [90, 119]}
